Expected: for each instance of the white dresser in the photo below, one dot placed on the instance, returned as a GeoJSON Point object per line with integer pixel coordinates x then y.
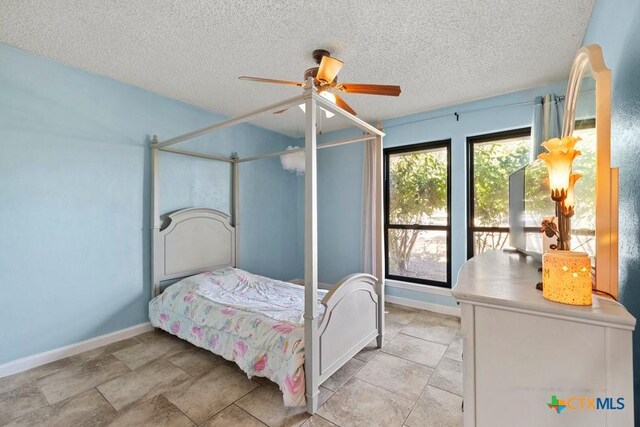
{"type": "Point", "coordinates": [520, 350]}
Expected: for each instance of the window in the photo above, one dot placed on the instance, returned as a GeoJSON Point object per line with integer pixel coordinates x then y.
{"type": "Point", "coordinates": [492, 158]}
{"type": "Point", "coordinates": [417, 209]}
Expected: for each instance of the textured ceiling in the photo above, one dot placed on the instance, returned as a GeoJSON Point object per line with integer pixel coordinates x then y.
{"type": "Point", "coordinates": [441, 52]}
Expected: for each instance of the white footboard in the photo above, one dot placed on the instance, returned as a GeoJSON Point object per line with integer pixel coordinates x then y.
{"type": "Point", "coordinates": [350, 322]}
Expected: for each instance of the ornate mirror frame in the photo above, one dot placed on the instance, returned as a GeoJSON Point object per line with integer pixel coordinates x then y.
{"type": "Point", "coordinates": [606, 274]}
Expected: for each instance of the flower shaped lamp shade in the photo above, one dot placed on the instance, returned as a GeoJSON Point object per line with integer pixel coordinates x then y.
{"type": "Point", "coordinates": [559, 160]}
{"type": "Point", "coordinates": [569, 201]}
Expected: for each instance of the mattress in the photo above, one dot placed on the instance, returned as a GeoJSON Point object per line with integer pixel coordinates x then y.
{"type": "Point", "coordinates": [254, 321]}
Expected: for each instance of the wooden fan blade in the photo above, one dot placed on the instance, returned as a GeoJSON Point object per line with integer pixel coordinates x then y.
{"type": "Point", "coordinates": [342, 104]}
{"type": "Point", "coordinates": [387, 90]}
{"type": "Point", "coordinates": [280, 111]}
{"type": "Point", "coordinates": [329, 69]}
{"type": "Point", "coordinates": [279, 82]}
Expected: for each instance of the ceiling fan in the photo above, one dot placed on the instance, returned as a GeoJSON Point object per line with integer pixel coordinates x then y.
{"type": "Point", "coordinates": [325, 79]}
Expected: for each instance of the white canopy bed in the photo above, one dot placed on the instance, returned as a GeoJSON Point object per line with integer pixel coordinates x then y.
{"type": "Point", "coordinates": [204, 242]}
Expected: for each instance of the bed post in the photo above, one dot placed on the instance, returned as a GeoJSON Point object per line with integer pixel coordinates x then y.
{"type": "Point", "coordinates": [311, 344]}
{"type": "Point", "coordinates": [235, 202]}
{"type": "Point", "coordinates": [155, 216]}
{"type": "Point", "coordinates": [378, 211]}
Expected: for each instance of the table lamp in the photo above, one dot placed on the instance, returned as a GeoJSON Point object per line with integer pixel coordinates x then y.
{"type": "Point", "coordinates": [566, 275]}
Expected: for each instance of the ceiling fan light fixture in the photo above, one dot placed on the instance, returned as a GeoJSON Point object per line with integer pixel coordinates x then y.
{"type": "Point", "coordinates": [325, 79]}
{"type": "Point", "coordinates": [328, 69]}
{"type": "Point", "coordinates": [326, 95]}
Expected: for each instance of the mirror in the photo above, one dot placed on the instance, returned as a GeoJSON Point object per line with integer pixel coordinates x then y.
{"type": "Point", "coordinates": [583, 222]}
{"type": "Point", "coordinates": [588, 115]}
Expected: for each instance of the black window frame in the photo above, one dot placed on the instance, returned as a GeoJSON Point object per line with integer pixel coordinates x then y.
{"type": "Point", "coordinates": [471, 141]}
{"type": "Point", "coordinates": [445, 143]}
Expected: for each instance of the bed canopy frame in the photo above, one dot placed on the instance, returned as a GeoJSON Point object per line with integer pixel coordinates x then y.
{"type": "Point", "coordinates": [354, 307]}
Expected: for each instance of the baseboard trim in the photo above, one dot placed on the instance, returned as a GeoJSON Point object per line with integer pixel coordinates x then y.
{"type": "Point", "coordinates": [19, 365]}
{"type": "Point", "coordinates": [437, 308]}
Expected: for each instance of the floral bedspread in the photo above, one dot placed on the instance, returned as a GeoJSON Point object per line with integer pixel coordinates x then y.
{"type": "Point", "coordinates": [252, 320]}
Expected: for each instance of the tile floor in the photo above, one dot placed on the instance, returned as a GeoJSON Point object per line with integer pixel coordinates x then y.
{"type": "Point", "coordinates": [156, 379]}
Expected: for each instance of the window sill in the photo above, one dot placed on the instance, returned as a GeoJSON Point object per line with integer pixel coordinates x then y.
{"type": "Point", "coordinates": [425, 289]}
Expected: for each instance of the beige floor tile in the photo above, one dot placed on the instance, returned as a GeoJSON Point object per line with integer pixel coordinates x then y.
{"type": "Point", "coordinates": [440, 319]}
{"type": "Point", "coordinates": [233, 416]}
{"type": "Point", "coordinates": [368, 352]}
{"type": "Point", "coordinates": [344, 374]}
{"type": "Point", "coordinates": [19, 401]}
{"type": "Point", "coordinates": [196, 361]}
{"type": "Point", "coordinates": [448, 376]}
{"type": "Point", "coordinates": [358, 403]}
{"type": "Point", "coordinates": [455, 349]}
{"type": "Point", "coordinates": [234, 367]}
{"type": "Point", "coordinates": [153, 335]}
{"type": "Point", "coordinates": [175, 383]}
{"type": "Point", "coordinates": [325, 394]}
{"type": "Point", "coordinates": [80, 376]}
{"type": "Point", "coordinates": [265, 403]}
{"type": "Point", "coordinates": [200, 398]}
{"type": "Point", "coordinates": [105, 350]}
{"type": "Point", "coordinates": [437, 328]}
{"type": "Point", "coordinates": [155, 412]}
{"type": "Point", "coordinates": [149, 381]}
{"type": "Point", "coordinates": [436, 408]}
{"type": "Point", "coordinates": [14, 381]}
{"type": "Point", "coordinates": [399, 314]}
{"type": "Point", "coordinates": [317, 421]}
{"type": "Point", "coordinates": [416, 349]}
{"type": "Point", "coordinates": [153, 347]}
{"type": "Point", "coordinates": [396, 375]}
{"type": "Point", "coordinates": [87, 409]}
{"type": "Point", "coordinates": [391, 330]}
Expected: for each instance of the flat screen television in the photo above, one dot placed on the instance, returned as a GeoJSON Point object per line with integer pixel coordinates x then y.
{"type": "Point", "coordinates": [529, 204]}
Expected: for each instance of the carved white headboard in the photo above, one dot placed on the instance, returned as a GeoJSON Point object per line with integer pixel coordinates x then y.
{"type": "Point", "coordinates": [194, 240]}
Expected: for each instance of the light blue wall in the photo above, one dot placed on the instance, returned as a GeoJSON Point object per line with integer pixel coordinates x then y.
{"type": "Point", "coordinates": [74, 199]}
{"type": "Point", "coordinates": [615, 25]}
{"type": "Point", "coordinates": [340, 183]}
{"type": "Point", "coordinates": [340, 177]}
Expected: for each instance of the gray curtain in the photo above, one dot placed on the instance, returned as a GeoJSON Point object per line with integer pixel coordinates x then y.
{"type": "Point", "coordinates": [547, 121]}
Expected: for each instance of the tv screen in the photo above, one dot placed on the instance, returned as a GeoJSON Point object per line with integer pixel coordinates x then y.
{"type": "Point", "coordinates": [529, 204]}
{"type": "Point", "coordinates": [516, 210]}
